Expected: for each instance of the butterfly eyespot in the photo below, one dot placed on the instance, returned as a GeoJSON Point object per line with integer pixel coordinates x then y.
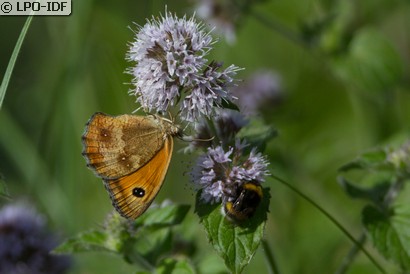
{"type": "Point", "coordinates": [104, 132]}
{"type": "Point", "coordinates": [138, 192]}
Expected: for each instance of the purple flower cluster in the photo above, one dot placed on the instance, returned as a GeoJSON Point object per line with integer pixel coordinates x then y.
{"type": "Point", "coordinates": [25, 243]}
{"type": "Point", "coordinates": [218, 172]}
{"type": "Point", "coordinates": [225, 125]}
{"type": "Point", "coordinates": [172, 71]}
{"type": "Point", "coordinates": [221, 15]}
{"type": "Point", "coordinates": [225, 16]}
{"type": "Point", "coordinates": [261, 89]}
{"type": "Point", "coordinates": [171, 68]}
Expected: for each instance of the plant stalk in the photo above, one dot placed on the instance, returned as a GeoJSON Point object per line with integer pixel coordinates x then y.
{"type": "Point", "coordinates": [334, 221]}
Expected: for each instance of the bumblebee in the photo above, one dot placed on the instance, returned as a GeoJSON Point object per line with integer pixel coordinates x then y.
{"type": "Point", "coordinates": [243, 201]}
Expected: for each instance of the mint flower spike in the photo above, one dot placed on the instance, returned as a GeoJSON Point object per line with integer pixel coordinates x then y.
{"type": "Point", "coordinates": [218, 172]}
{"type": "Point", "coordinates": [171, 68]}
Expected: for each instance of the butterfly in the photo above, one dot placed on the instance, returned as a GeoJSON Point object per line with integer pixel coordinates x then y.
{"type": "Point", "coordinates": [131, 154]}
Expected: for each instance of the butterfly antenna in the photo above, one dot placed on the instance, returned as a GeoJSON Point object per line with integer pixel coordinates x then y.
{"type": "Point", "coordinates": [197, 140]}
{"type": "Point", "coordinates": [171, 117]}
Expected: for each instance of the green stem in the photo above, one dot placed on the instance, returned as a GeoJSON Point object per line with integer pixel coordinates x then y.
{"type": "Point", "coordinates": [13, 58]}
{"type": "Point", "coordinates": [348, 260]}
{"type": "Point", "coordinates": [272, 265]}
{"type": "Point", "coordinates": [334, 221]}
{"type": "Point", "coordinates": [394, 190]}
{"type": "Point", "coordinates": [279, 28]}
{"type": "Point", "coordinates": [388, 200]}
{"type": "Point", "coordinates": [135, 258]}
{"type": "Point", "coordinates": [247, 8]}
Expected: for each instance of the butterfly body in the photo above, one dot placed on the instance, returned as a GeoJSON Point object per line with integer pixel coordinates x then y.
{"type": "Point", "coordinates": [131, 154]}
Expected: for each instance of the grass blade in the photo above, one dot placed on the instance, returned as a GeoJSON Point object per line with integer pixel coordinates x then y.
{"type": "Point", "coordinates": [13, 58]}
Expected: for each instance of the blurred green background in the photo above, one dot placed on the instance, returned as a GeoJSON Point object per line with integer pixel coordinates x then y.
{"type": "Point", "coordinates": [346, 88]}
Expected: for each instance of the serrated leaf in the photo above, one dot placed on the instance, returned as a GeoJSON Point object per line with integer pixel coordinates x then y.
{"type": "Point", "coordinates": [173, 265]}
{"type": "Point", "coordinates": [372, 62]}
{"type": "Point", "coordinates": [235, 243]}
{"type": "Point", "coordinates": [93, 240]}
{"type": "Point", "coordinates": [257, 133]}
{"type": "Point", "coordinates": [390, 233]}
{"type": "Point", "coordinates": [375, 193]}
{"type": "Point", "coordinates": [165, 215]}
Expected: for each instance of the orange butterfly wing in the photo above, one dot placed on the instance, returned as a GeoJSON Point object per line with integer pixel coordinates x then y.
{"type": "Point", "coordinates": [115, 146]}
{"type": "Point", "coordinates": [132, 194]}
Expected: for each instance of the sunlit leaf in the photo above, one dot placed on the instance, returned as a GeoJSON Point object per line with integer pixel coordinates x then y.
{"type": "Point", "coordinates": [235, 243]}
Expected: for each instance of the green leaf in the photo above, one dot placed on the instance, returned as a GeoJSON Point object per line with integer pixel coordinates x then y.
{"type": "Point", "coordinates": [166, 214]}
{"type": "Point", "coordinates": [372, 63]}
{"type": "Point", "coordinates": [143, 241]}
{"type": "Point", "coordinates": [375, 194]}
{"type": "Point", "coordinates": [114, 237]}
{"type": "Point", "coordinates": [93, 240]}
{"type": "Point", "coordinates": [174, 265]}
{"type": "Point", "coordinates": [152, 245]}
{"type": "Point", "coordinates": [371, 159]}
{"type": "Point", "coordinates": [227, 104]}
{"type": "Point", "coordinates": [257, 133]}
{"type": "Point", "coordinates": [390, 233]}
{"type": "Point", "coordinates": [156, 237]}
{"type": "Point", "coordinates": [235, 243]}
